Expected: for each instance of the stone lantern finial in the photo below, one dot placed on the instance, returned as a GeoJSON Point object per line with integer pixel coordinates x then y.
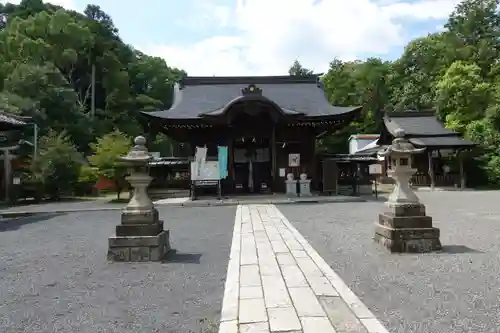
{"type": "Point", "coordinates": [399, 133]}
{"type": "Point", "coordinates": [139, 153]}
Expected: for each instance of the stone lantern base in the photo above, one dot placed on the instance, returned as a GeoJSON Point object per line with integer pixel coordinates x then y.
{"type": "Point", "coordinates": [404, 227]}
{"type": "Point", "coordinates": [140, 237]}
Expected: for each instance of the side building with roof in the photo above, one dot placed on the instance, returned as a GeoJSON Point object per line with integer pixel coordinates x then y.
{"type": "Point", "coordinates": [425, 130]}
{"type": "Point", "coordinates": [11, 138]}
{"type": "Point", "coordinates": [268, 120]}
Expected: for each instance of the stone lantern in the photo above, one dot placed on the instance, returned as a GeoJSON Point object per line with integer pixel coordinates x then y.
{"type": "Point", "coordinates": [403, 226]}
{"type": "Point", "coordinates": [140, 236]}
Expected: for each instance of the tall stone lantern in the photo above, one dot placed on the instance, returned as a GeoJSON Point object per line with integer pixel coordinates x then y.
{"type": "Point", "coordinates": [404, 226]}
{"type": "Point", "coordinates": [140, 236]}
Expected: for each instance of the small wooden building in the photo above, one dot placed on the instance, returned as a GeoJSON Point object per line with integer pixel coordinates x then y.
{"type": "Point", "coordinates": [266, 122]}
{"type": "Point", "coordinates": [11, 137]}
{"type": "Point", "coordinates": [425, 130]}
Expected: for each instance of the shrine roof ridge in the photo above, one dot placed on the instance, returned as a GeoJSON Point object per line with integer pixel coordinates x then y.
{"type": "Point", "coordinates": [220, 80]}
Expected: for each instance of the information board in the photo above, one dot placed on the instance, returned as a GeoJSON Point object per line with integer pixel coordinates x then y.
{"type": "Point", "coordinates": [210, 171]}
{"type": "Point", "coordinates": [375, 169]}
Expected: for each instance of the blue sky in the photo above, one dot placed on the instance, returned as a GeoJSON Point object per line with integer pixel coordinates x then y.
{"type": "Point", "coordinates": [244, 37]}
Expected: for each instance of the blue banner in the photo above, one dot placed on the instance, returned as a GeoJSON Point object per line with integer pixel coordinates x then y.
{"type": "Point", "coordinates": [223, 157]}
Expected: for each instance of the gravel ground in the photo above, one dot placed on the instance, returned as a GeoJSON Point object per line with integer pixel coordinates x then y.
{"type": "Point", "coordinates": [64, 205]}
{"type": "Point", "coordinates": [54, 276]}
{"type": "Point", "coordinates": [455, 291]}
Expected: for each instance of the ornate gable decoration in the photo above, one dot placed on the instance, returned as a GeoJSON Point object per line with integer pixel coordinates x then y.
{"type": "Point", "coordinates": [252, 89]}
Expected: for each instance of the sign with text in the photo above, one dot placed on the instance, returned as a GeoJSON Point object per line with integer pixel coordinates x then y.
{"type": "Point", "coordinates": [375, 169]}
{"type": "Point", "coordinates": [293, 160]}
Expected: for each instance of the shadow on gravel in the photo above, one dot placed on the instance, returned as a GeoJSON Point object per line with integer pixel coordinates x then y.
{"type": "Point", "coordinates": [458, 249]}
{"type": "Point", "coordinates": [16, 222]}
{"type": "Point", "coordinates": [183, 258]}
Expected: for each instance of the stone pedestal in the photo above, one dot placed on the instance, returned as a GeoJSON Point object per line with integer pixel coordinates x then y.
{"type": "Point", "coordinates": [291, 188]}
{"type": "Point", "coordinates": [140, 236]}
{"type": "Point", "coordinates": [305, 187]}
{"type": "Point", "coordinates": [404, 227]}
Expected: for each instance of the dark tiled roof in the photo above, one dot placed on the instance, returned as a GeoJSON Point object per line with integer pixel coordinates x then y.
{"type": "Point", "coordinates": [424, 129]}
{"type": "Point", "coordinates": [211, 96]}
{"type": "Point", "coordinates": [7, 118]}
{"type": "Point", "coordinates": [416, 124]}
{"type": "Point", "coordinates": [441, 142]}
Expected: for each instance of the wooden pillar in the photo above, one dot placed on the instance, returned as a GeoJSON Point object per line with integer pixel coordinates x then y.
{"type": "Point", "coordinates": [461, 168]}
{"type": "Point", "coordinates": [313, 171]}
{"type": "Point", "coordinates": [273, 156]}
{"type": "Point", "coordinates": [431, 169]}
{"type": "Point", "coordinates": [7, 173]}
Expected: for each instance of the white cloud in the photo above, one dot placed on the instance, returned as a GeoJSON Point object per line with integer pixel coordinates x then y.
{"type": "Point", "coordinates": [422, 10]}
{"type": "Point", "coordinates": [270, 35]}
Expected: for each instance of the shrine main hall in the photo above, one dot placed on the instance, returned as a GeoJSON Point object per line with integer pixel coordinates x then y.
{"type": "Point", "coordinates": [270, 125]}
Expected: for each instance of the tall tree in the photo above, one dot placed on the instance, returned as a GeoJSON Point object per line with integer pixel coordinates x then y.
{"type": "Point", "coordinates": [298, 70]}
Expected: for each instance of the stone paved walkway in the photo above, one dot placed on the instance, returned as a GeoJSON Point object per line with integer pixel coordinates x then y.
{"type": "Point", "coordinates": [276, 282]}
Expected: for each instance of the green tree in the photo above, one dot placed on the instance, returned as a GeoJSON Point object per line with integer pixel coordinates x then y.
{"type": "Point", "coordinates": [298, 70]}
{"type": "Point", "coordinates": [163, 144]}
{"type": "Point", "coordinates": [416, 72]}
{"type": "Point", "coordinates": [463, 96]}
{"type": "Point", "coordinates": [57, 165]}
{"type": "Point", "coordinates": [106, 158]}
{"type": "Point", "coordinates": [474, 27]}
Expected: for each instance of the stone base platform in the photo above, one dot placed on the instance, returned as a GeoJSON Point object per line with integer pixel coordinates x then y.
{"type": "Point", "coordinates": [409, 240]}
{"type": "Point", "coordinates": [139, 248]}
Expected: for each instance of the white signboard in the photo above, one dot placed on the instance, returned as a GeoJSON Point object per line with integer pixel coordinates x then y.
{"type": "Point", "coordinates": [293, 160]}
{"type": "Point", "coordinates": [282, 172]}
{"type": "Point", "coordinates": [199, 158]}
{"type": "Point", "coordinates": [208, 171]}
{"type": "Point", "coordinates": [375, 169]}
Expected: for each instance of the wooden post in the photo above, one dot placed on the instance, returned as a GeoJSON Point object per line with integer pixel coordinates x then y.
{"type": "Point", "coordinates": [7, 173]}
{"type": "Point", "coordinates": [431, 169]}
{"type": "Point", "coordinates": [461, 168]}
{"type": "Point", "coordinates": [273, 157]}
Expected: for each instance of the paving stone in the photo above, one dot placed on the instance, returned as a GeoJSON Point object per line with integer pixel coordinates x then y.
{"type": "Point", "coordinates": [246, 228]}
{"type": "Point", "coordinates": [279, 246]}
{"type": "Point", "coordinates": [317, 325]}
{"type": "Point", "coordinates": [373, 325]}
{"type": "Point", "coordinates": [341, 316]}
{"type": "Point", "coordinates": [293, 276]}
{"type": "Point", "coordinates": [228, 326]}
{"type": "Point", "coordinates": [269, 269]}
{"type": "Point", "coordinates": [254, 328]}
{"type": "Point", "coordinates": [251, 292]}
{"type": "Point", "coordinates": [249, 256]}
{"type": "Point", "coordinates": [283, 319]}
{"type": "Point", "coordinates": [293, 244]}
{"type": "Point", "coordinates": [285, 259]}
{"type": "Point", "coordinates": [275, 291]}
{"type": "Point", "coordinates": [308, 267]}
{"type": "Point", "coordinates": [305, 302]}
{"type": "Point", "coordinates": [299, 253]}
{"type": "Point", "coordinates": [252, 311]}
{"type": "Point", "coordinates": [321, 286]}
{"type": "Point", "coordinates": [249, 276]}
